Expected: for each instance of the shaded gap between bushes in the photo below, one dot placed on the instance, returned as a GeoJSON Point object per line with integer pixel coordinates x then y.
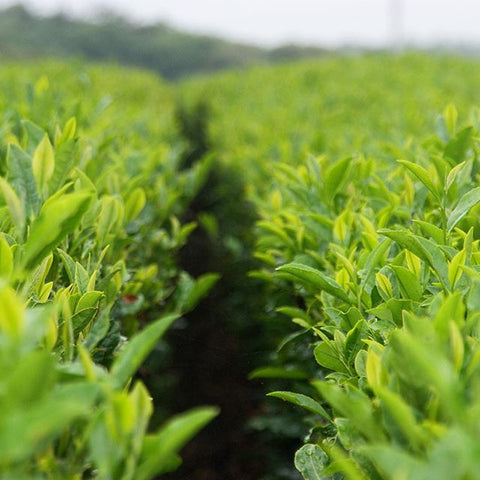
{"type": "Point", "coordinates": [215, 346]}
{"type": "Point", "coordinates": [211, 355]}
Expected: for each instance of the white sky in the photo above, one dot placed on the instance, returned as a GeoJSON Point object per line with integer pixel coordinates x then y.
{"type": "Point", "coordinates": [271, 22]}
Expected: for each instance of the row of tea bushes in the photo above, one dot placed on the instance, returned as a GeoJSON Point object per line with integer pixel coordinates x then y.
{"type": "Point", "coordinates": [373, 260]}
{"type": "Point", "coordinates": [338, 105]}
{"type": "Point", "coordinates": [89, 280]}
{"type": "Point", "coordinates": [289, 123]}
{"type": "Point", "coordinates": [383, 259]}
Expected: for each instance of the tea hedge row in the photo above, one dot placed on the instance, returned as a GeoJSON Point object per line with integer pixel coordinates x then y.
{"type": "Point", "coordinates": [339, 105]}
{"type": "Point", "coordinates": [385, 259]}
{"type": "Point", "coordinates": [88, 240]}
{"type": "Point", "coordinates": [373, 260]}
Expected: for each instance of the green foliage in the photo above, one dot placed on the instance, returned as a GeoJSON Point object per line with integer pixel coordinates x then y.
{"type": "Point", "coordinates": [374, 260]}
{"type": "Point", "coordinates": [388, 292]}
{"type": "Point", "coordinates": [88, 244]}
{"type": "Point", "coordinates": [349, 246]}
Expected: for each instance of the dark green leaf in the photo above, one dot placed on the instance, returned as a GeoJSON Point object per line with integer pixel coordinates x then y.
{"type": "Point", "coordinates": [21, 178]}
{"type": "Point", "coordinates": [310, 461]}
{"type": "Point", "coordinates": [302, 401]}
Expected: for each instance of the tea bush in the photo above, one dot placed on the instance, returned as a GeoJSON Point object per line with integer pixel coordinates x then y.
{"type": "Point", "coordinates": [384, 256]}
{"type": "Point", "coordinates": [89, 278]}
{"type": "Point", "coordinates": [372, 259]}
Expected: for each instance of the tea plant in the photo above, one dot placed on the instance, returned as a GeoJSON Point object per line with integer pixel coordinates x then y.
{"type": "Point", "coordinates": [281, 129]}
{"type": "Point", "coordinates": [88, 237]}
{"type": "Point", "coordinates": [384, 257]}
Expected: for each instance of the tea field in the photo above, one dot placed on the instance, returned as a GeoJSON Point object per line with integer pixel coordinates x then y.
{"type": "Point", "coordinates": [239, 266]}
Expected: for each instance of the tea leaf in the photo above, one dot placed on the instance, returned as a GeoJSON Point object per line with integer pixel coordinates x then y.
{"type": "Point", "coordinates": [15, 206]}
{"type": "Point", "coordinates": [422, 175]}
{"type": "Point", "coordinates": [408, 281]}
{"type": "Point", "coordinates": [135, 203]}
{"type": "Point", "coordinates": [451, 115]}
{"type": "Point", "coordinates": [159, 448]}
{"type": "Point", "coordinates": [12, 318]}
{"type": "Point", "coordinates": [354, 340]}
{"type": "Point", "coordinates": [336, 176]}
{"type": "Point", "coordinates": [6, 259]}
{"type": "Point", "coordinates": [302, 401]}
{"type": "Point", "coordinates": [327, 356]}
{"type": "Point", "coordinates": [55, 221]}
{"type": "Point", "coordinates": [315, 278]}
{"type": "Point", "coordinates": [310, 461]}
{"type": "Point", "coordinates": [20, 177]}
{"type": "Point", "coordinates": [43, 163]}
{"type": "Point", "coordinates": [136, 351]}
{"type": "Point", "coordinates": [469, 200]}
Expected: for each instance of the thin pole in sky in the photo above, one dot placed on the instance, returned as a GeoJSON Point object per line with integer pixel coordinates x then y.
{"type": "Point", "coordinates": [396, 12]}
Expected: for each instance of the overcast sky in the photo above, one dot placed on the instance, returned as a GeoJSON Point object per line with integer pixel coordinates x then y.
{"type": "Point", "coordinates": [271, 22]}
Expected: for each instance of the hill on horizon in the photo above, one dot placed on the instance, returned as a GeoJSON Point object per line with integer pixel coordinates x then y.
{"type": "Point", "coordinates": [159, 47]}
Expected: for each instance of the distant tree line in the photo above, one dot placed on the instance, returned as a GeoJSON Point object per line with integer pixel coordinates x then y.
{"type": "Point", "coordinates": [159, 47]}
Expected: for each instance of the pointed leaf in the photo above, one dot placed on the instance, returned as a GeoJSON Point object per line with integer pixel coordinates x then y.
{"type": "Point", "coordinates": [56, 220]}
{"type": "Point", "coordinates": [408, 282]}
{"type": "Point", "coordinates": [422, 175]}
{"type": "Point", "coordinates": [137, 350]}
{"type": "Point", "coordinates": [302, 401]}
{"type": "Point", "coordinates": [15, 206]}
{"type": "Point", "coordinates": [43, 163]}
{"type": "Point", "coordinates": [336, 176]}
{"type": "Point", "coordinates": [314, 278]}
{"type": "Point", "coordinates": [468, 200]}
{"type": "Point", "coordinates": [20, 177]}
{"type": "Point", "coordinates": [160, 450]}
